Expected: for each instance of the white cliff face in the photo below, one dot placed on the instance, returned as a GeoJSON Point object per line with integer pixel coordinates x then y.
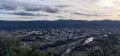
{"type": "Point", "coordinates": [88, 40]}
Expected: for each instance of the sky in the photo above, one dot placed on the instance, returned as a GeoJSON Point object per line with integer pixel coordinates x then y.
{"type": "Point", "coordinates": [59, 9]}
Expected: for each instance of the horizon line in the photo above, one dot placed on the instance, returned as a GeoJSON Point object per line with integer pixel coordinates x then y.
{"type": "Point", "coordinates": [63, 20]}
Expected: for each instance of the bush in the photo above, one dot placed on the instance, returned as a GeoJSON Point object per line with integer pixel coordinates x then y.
{"type": "Point", "coordinates": [11, 47]}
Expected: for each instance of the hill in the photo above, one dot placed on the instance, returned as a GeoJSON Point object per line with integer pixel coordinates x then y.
{"type": "Point", "coordinates": [14, 25]}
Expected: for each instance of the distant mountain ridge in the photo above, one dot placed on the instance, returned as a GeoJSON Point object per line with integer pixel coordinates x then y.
{"type": "Point", "coordinates": [16, 25]}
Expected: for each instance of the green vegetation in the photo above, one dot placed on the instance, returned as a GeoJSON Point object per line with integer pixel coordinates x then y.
{"type": "Point", "coordinates": [11, 47]}
{"type": "Point", "coordinates": [17, 25]}
{"type": "Point", "coordinates": [108, 48]}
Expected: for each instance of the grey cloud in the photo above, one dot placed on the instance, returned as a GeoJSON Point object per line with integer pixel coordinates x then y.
{"type": "Point", "coordinates": [12, 5]}
{"type": "Point", "coordinates": [42, 8]}
{"type": "Point", "coordinates": [7, 7]}
{"type": "Point", "coordinates": [51, 10]}
{"type": "Point", "coordinates": [85, 14]}
{"type": "Point", "coordinates": [9, 4]}
{"type": "Point", "coordinates": [26, 14]}
{"type": "Point", "coordinates": [119, 15]}
{"type": "Point", "coordinates": [60, 16]}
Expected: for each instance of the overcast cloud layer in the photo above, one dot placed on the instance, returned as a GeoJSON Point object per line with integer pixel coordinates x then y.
{"type": "Point", "coordinates": [59, 9]}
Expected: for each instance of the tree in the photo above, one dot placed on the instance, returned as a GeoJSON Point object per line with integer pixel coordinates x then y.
{"type": "Point", "coordinates": [8, 45]}
{"type": "Point", "coordinates": [11, 47]}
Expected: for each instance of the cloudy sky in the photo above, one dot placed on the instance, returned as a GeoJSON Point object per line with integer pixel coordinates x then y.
{"type": "Point", "coordinates": [59, 9]}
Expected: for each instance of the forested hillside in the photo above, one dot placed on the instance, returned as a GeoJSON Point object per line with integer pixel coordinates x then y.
{"type": "Point", "coordinates": [12, 25]}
